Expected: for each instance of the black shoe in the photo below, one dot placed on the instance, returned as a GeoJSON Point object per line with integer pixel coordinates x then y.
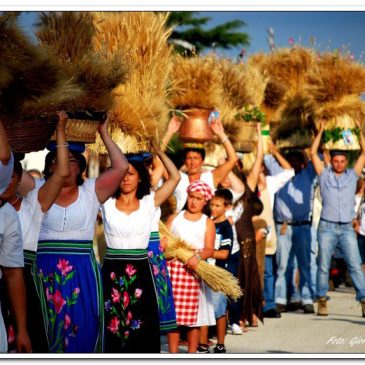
{"type": "Point", "coordinates": [203, 349]}
{"type": "Point", "coordinates": [292, 307]}
{"type": "Point", "coordinates": [219, 349]}
{"type": "Point", "coordinates": [308, 308]}
{"type": "Point", "coordinates": [272, 313]}
{"type": "Point", "coordinates": [280, 308]}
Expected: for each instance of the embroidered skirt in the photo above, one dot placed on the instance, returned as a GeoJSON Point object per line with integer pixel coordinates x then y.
{"type": "Point", "coordinates": [36, 325]}
{"type": "Point", "coordinates": [72, 292]}
{"type": "Point", "coordinates": [165, 300]}
{"type": "Point", "coordinates": [130, 303]}
{"type": "Point", "coordinates": [185, 288]}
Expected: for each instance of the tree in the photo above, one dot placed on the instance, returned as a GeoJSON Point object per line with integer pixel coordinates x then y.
{"type": "Point", "coordinates": [190, 32]}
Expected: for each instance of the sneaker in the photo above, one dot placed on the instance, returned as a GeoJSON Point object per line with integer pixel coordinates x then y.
{"type": "Point", "coordinates": [236, 329]}
{"type": "Point", "coordinates": [219, 349]}
{"type": "Point", "coordinates": [308, 308]}
{"type": "Point", "coordinates": [271, 313]}
{"type": "Point", "coordinates": [203, 349]}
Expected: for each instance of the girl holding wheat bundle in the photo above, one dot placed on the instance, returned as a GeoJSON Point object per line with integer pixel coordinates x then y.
{"type": "Point", "coordinates": [193, 302]}
{"type": "Point", "coordinates": [132, 322]}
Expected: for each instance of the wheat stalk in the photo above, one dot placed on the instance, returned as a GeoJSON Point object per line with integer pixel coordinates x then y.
{"type": "Point", "coordinates": [215, 277]}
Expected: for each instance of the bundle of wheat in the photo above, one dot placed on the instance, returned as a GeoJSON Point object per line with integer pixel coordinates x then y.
{"type": "Point", "coordinates": [286, 70]}
{"type": "Point", "coordinates": [68, 37]}
{"type": "Point", "coordinates": [296, 128]}
{"type": "Point", "coordinates": [215, 277]}
{"type": "Point", "coordinates": [140, 110]}
{"type": "Point", "coordinates": [26, 72]}
{"type": "Point", "coordinates": [333, 88]}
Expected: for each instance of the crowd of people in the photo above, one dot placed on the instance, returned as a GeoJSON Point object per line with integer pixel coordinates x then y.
{"type": "Point", "coordinates": [258, 223]}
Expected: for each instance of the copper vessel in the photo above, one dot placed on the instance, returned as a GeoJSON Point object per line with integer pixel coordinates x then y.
{"type": "Point", "coordinates": [195, 126]}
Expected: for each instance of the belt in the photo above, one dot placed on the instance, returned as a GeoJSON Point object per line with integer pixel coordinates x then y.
{"type": "Point", "coordinates": [299, 223]}
{"type": "Point", "coordinates": [341, 223]}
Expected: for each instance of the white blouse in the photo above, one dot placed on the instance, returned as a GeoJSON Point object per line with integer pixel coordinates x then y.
{"type": "Point", "coordinates": [31, 216]}
{"type": "Point", "coordinates": [128, 231]}
{"type": "Point", "coordinates": [156, 220]}
{"type": "Point", "coordinates": [193, 232]}
{"type": "Point", "coordinates": [6, 171]}
{"type": "Point", "coordinates": [76, 221]}
{"type": "Point", "coordinates": [11, 252]}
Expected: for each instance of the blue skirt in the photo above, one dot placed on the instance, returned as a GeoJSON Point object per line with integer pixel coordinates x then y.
{"type": "Point", "coordinates": [161, 276]}
{"type": "Point", "coordinates": [72, 295]}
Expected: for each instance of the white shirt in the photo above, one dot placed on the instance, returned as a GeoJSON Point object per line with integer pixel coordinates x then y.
{"type": "Point", "coordinates": [6, 171]}
{"type": "Point", "coordinates": [76, 221]}
{"type": "Point", "coordinates": [180, 192]}
{"type": "Point", "coordinates": [275, 182]}
{"type": "Point", "coordinates": [128, 231]}
{"type": "Point", "coordinates": [235, 213]}
{"type": "Point", "coordinates": [11, 253]}
{"type": "Point", "coordinates": [193, 232]}
{"type": "Point", "coordinates": [156, 220]}
{"type": "Point", "coordinates": [31, 216]}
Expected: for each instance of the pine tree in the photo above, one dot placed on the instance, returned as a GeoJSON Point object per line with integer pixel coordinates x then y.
{"type": "Point", "coordinates": [191, 32]}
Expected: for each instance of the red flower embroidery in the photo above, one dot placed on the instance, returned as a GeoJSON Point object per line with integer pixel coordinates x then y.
{"type": "Point", "coordinates": [11, 334]}
{"type": "Point", "coordinates": [115, 296]}
{"type": "Point", "coordinates": [126, 334]}
{"type": "Point", "coordinates": [130, 270]}
{"type": "Point", "coordinates": [129, 317]}
{"type": "Point", "coordinates": [112, 275]}
{"type": "Point", "coordinates": [64, 267]}
{"type": "Point", "coordinates": [125, 299]}
{"type": "Point", "coordinates": [114, 325]}
{"type": "Point", "coordinates": [58, 301]}
{"type": "Point", "coordinates": [48, 295]}
{"type": "Point", "coordinates": [67, 321]}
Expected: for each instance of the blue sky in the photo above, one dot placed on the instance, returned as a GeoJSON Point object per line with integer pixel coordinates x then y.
{"type": "Point", "coordinates": [330, 30]}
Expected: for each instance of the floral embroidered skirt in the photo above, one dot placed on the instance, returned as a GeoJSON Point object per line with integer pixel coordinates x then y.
{"type": "Point", "coordinates": [165, 299]}
{"type": "Point", "coordinates": [130, 302]}
{"type": "Point", "coordinates": [36, 325]}
{"type": "Point", "coordinates": [72, 295]}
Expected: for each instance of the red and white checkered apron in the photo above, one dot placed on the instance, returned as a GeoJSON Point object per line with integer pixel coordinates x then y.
{"type": "Point", "coordinates": [185, 290]}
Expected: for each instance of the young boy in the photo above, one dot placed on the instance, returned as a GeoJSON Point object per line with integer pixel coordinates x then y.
{"type": "Point", "coordinates": [219, 204]}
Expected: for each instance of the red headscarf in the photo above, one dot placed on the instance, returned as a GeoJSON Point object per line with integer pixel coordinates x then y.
{"type": "Point", "coordinates": [201, 187]}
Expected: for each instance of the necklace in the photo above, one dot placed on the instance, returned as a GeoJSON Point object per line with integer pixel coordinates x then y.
{"type": "Point", "coordinates": [12, 203]}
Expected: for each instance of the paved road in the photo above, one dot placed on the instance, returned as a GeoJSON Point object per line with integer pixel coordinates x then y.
{"type": "Point", "coordinates": [343, 331]}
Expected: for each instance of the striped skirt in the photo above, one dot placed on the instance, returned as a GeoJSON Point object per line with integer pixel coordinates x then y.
{"type": "Point", "coordinates": [130, 303]}
{"type": "Point", "coordinates": [165, 299]}
{"type": "Point", "coordinates": [72, 295]}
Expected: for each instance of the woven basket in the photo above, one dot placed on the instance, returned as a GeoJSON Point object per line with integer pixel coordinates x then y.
{"type": "Point", "coordinates": [341, 145]}
{"type": "Point", "coordinates": [246, 139]}
{"type": "Point", "coordinates": [80, 131]}
{"type": "Point", "coordinates": [30, 135]}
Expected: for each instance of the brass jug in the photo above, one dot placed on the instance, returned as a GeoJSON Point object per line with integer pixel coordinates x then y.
{"type": "Point", "coordinates": [195, 126]}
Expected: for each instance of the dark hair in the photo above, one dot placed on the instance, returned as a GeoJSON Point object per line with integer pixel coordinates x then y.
{"type": "Point", "coordinates": [18, 169]}
{"type": "Point", "coordinates": [52, 155]}
{"type": "Point", "coordinates": [224, 194]}
{"type": "Point", "coordinates": [296, 155]}
{"type": "Point", "coordinates": [334, 153]}
{"type": "Point", "coordinates": [201, 151]}
{"type": "Point", "coordinates": [144, 186]}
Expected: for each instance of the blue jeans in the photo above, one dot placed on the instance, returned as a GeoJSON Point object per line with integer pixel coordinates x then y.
{"type": "Point", "coordinates": [269, 283]}
{"type": "Point", "coordinates": [361, 243]}
{"type": "Point", "coordinates": [331, 235]}
{"type": "Point", "coordinates": [293, 291]}
{"type": "Point", "coordinates": [234, 308]}
{"type": "Point", "coordinates": [298, 238]}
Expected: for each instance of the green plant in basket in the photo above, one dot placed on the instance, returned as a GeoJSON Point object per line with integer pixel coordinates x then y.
{"type": "Point", "coordinates": [335, 134]}
{"type": "Point", "coordinates": [251, 114]}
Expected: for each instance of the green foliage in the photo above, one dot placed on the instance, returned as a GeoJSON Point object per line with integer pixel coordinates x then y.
{"type": "Point", "coordinates": [251, 115]}
{"type": "Point", "coordinates": [193, 29]}
{"type": "Point", "coordinates": [335, 134]}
